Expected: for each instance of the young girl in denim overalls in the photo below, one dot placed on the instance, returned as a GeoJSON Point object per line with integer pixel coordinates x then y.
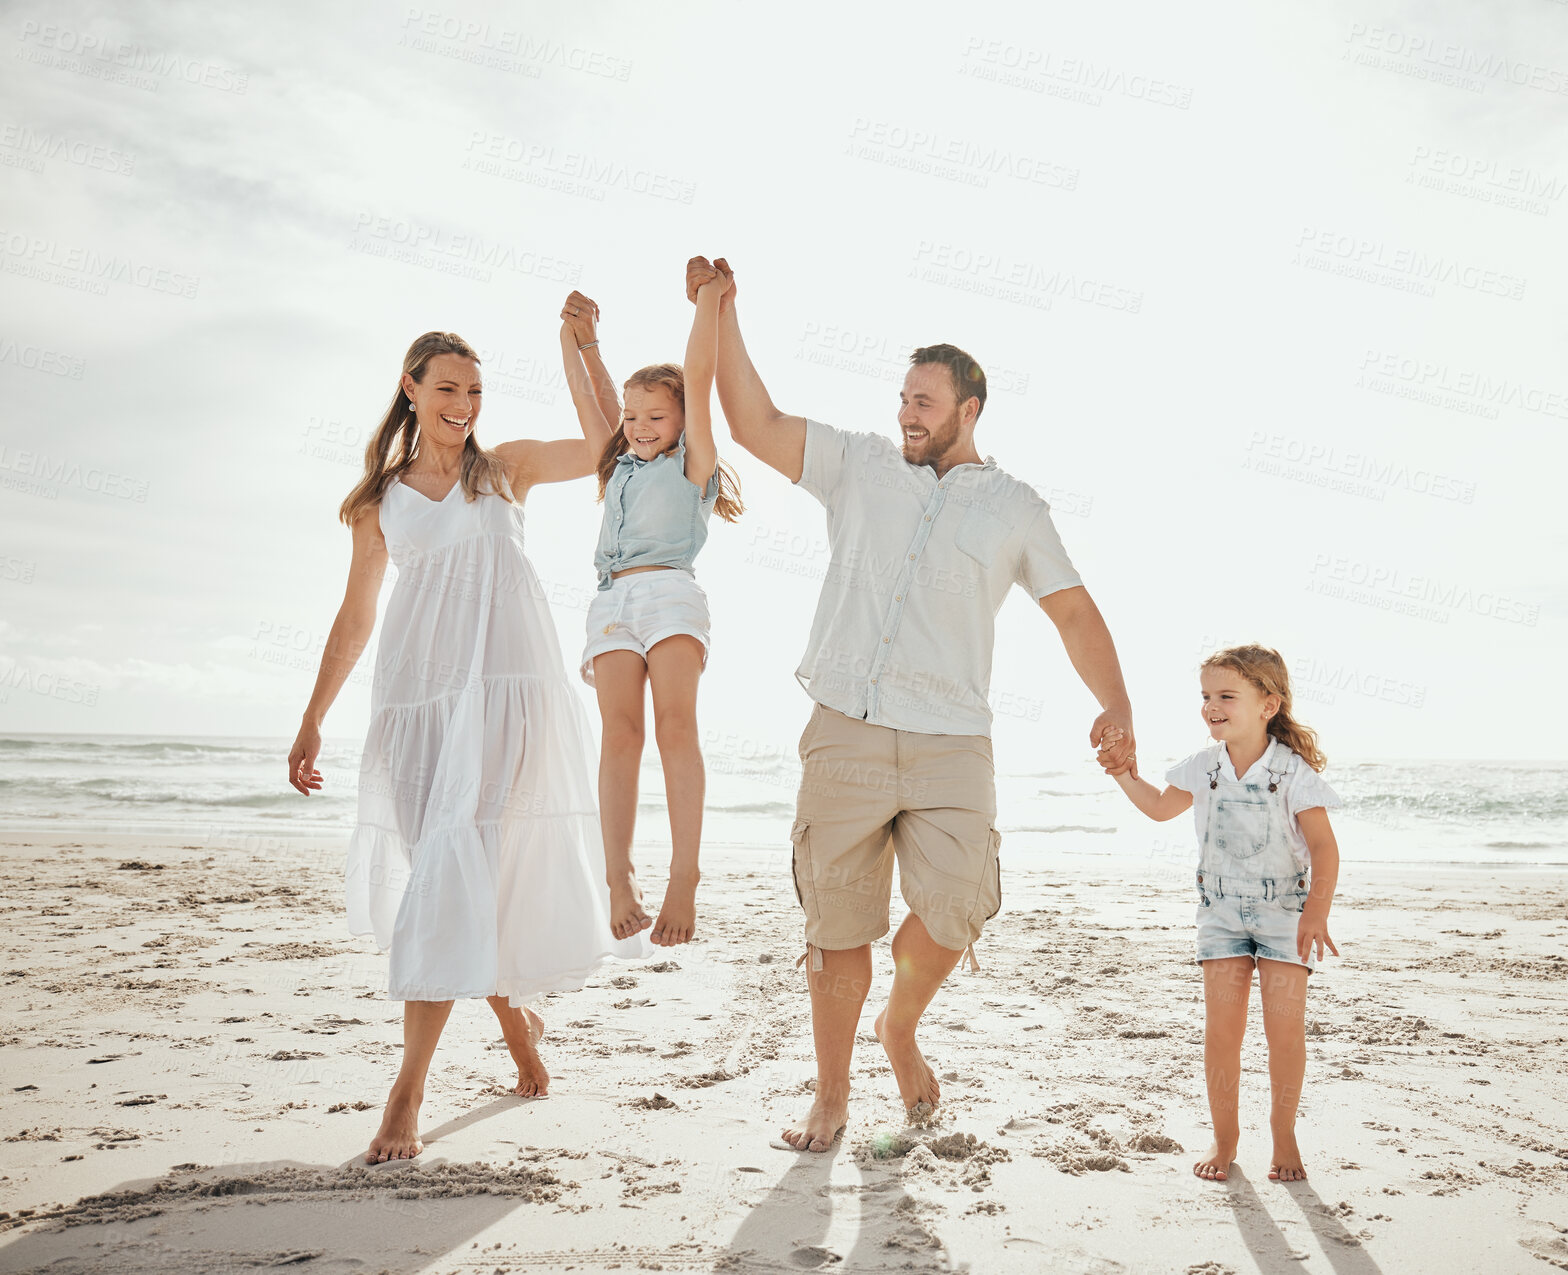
{"type": "Point", "coordinates": [1267, 867]}
{"type": "Point", "coordinates": [660, 480]}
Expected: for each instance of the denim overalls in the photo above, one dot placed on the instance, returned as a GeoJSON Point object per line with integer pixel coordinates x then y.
{"type": "Point", "coordinates": [1252, 885]}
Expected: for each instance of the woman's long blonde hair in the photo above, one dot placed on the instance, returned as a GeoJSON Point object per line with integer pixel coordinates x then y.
{"type": "Point", "coordinates": [728, 506]}
{"type": "Point", "coordinates": [395, 444]}
{"type": "Point", "coordinates": [1265, 668]}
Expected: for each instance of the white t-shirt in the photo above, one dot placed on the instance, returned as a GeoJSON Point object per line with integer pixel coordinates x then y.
{"type": "Point", "coordinates": [1301, 786]}
{"type": "Point", "coordinates": [905, 624]}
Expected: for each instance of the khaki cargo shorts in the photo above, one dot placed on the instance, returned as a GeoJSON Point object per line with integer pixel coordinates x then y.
{"type": "Point", "coordinates": [870, 794]}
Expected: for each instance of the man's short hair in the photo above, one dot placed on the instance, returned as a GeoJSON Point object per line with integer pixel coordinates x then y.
{"type": "Point", "coordinates": [968, 376]}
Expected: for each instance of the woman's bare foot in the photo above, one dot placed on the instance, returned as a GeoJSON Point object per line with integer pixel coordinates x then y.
{"type": "Point", "coordinates": [398, 1137]}
{"type": "Point", "coordinates": [821, 1127]}
{"type": "Point", "coordinates": [535, 1025]}
{"type": "Point", "coordinates": [916, 1081]}
{"type": "Point", "coordinates": [678, 914]}
{"type": "Point", "coordinates": [1285, 1163]}
{"type": "Point", "coordinates": [627, 916]}
{"type": "Point", "coordinates": [1215, 1167]}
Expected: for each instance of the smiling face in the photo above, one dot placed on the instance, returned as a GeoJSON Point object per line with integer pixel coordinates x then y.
{"type": "Point", "coordinates": [929, 414]}
{"type": "Point", "coordinates": [1234, 710]}
{"type": "Point", "coordinates": [447, 401]}
{"type": "Point", "coordinates": [652, 420]}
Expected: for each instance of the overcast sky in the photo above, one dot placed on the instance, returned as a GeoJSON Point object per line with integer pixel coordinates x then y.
{"type": "Point", "coordinates": [1271, 298]}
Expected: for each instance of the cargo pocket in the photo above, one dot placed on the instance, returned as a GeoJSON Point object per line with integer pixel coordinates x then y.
{"type": "Point", "coordinates": [799, 837]}
{"type": "Point", "coordinates": [996, 873]}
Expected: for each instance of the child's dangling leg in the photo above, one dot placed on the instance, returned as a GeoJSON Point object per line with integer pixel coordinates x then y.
{"type": "Point", "coordinates": [1284, 988]}
{"type": "Point", "coordinates": [1227, 986]}
{"type": "Point", "coordinates": [674, 666]}
{"type": "Point", "coordinates": [618, 678]}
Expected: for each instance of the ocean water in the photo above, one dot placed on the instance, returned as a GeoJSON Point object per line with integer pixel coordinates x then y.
{"type": "Point", "coordinates": [234, 791]}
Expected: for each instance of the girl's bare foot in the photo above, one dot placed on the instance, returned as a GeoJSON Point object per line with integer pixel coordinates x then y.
{"type": "Point", "coordinates": [678, 914]}
{"type": "Point", "coordinates": [627, 917]}
{"type": "Point", "coordinates": [1215, 1167]}
{"type": "Point", "coordinates": [398, 1137]}
{"type": "Point", "coordinates": [916, 1081]}
{"type": "Point", "coordinates": [821, 1127]}
{"type": "Point", "coordinates": [1285, 1163]}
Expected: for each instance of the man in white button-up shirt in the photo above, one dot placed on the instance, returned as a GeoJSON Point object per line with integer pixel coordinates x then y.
{"type": "Point", "coordinates": [927, 538]}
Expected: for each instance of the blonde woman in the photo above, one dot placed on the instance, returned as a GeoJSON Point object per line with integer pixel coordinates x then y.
{"type": "Point", "coordinates": [476, 855]}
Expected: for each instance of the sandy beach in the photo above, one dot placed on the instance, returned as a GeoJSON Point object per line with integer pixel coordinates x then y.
{"type": "Point", "coordinates": [195, 1054]}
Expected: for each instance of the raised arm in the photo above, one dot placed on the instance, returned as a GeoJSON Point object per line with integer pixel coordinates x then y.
{"type": "Point", "coordinates": [531, 460]}
{"type": "Point", "coordinates": [755, 423]}
{"type": "Point", "coordinates": [351, 630]}
{"type": "Point", "coordinates": [702, 454]}
{"type": "Point", "coordinates": [1088, 643]}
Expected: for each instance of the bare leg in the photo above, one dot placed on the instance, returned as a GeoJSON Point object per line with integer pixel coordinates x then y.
{"type": "Point", "coordinates": [1227, 985]}
{"type": "Point", "coordinates": [398, 1137]}
{"type": "Point", "coordinates": [674, 665]}
{"type": "Point", "coordinates": [618, 678]}
{"type": "Point", "coordinates": [838, 992]}
{"type": "Point", "coordinates": [920, 964]}
{"type": "Point", "coordinates": [522, 1028]}
{"type": "Point", "coordinates": [1284, 988]}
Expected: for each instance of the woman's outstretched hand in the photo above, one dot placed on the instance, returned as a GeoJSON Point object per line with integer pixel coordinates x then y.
{"type": "Point", "coordinates": [580, 315]}
{"type": "Point", "coordinates": [303, 774]}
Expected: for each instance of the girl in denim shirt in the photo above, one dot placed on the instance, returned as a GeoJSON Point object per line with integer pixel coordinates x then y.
{"type": "Point", "coordinates": [660, 479]}
{"type": "Point", "coordinates": [1267, 867]}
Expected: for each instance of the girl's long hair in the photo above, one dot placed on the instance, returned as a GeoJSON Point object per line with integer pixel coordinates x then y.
{"type": "Point", "coordinates": [1265, 668]}
{"type": "Point", "coordinates": [728, 506]}
{"type": "Point", "coordinates": [395, 444]}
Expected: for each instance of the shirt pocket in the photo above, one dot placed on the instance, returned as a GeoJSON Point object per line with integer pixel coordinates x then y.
{"type": "Point", "coordinates": [1241, 827]}
{"type": "Point", "coordinates": [980, 535]}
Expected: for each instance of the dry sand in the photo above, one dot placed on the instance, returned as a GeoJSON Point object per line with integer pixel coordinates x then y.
{"type": "Point", "coordinates": [194, 1056]}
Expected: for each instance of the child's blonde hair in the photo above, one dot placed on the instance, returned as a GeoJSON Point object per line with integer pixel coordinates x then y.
{"type": "Point", "coordinates": [1265, 669]}
{"type": "Point", "coordinates": [728, 506]}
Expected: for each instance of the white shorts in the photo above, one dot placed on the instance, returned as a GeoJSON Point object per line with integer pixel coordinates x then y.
{"type": "Point", "coordinates": [642, 609]}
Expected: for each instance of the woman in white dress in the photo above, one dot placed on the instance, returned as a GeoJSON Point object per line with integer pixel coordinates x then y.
{"type": "Point", "coordinates": [477, 859]}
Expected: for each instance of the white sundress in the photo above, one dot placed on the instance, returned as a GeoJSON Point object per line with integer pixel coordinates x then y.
{"type": "Point", "coordinates": [477, 857]}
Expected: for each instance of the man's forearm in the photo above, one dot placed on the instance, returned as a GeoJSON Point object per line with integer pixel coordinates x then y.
{"type": "Point", "coordinates": [1088, 643]}
{"type": "Point", "coordinates": [742, 395]}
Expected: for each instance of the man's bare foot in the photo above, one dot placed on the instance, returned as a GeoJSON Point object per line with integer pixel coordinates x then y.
{"type": "Point", "coordinates": [1285, 1163]}
{"type": "Point", "coordinates": [821, 1127]}
{"type": "Point", "coordinates": [627, 917]}
{"type": "Point", "coordinates": [916, 1081]}
{"type": "Point", "coordinates": [678, 915]}
{"type": "Point", "coordinates": [398, 1137]}
{"type": "Point", "coordinates": [1215, 1167]}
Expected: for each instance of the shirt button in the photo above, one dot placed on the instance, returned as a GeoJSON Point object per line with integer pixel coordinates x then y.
{"type": "Point", "coordinates": [928, 517]}
{"type": "Point", "coordinates": [911, 557]}
{"type": "Point", "coordinates": [873, 681]}
{"type": "Point", "coordinates": [898, 597]}
{"type": "Point", "coordinates": [887, 639]}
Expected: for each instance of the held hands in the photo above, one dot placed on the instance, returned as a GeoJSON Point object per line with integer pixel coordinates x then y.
{"type": "Point", "coordinates": [1113, 739]}
{"type": "Point", "coordinates": [580, 317]}
{"type": "Point", "coordinates": [1313, 929]}
{"type": "Point", "coordinates": [700, 272]}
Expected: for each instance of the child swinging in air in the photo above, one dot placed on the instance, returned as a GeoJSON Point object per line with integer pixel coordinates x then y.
{"type": "Point", "coordinates": [660, 479]}
{"type": "Point", "coordinates": [1267, 868]}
